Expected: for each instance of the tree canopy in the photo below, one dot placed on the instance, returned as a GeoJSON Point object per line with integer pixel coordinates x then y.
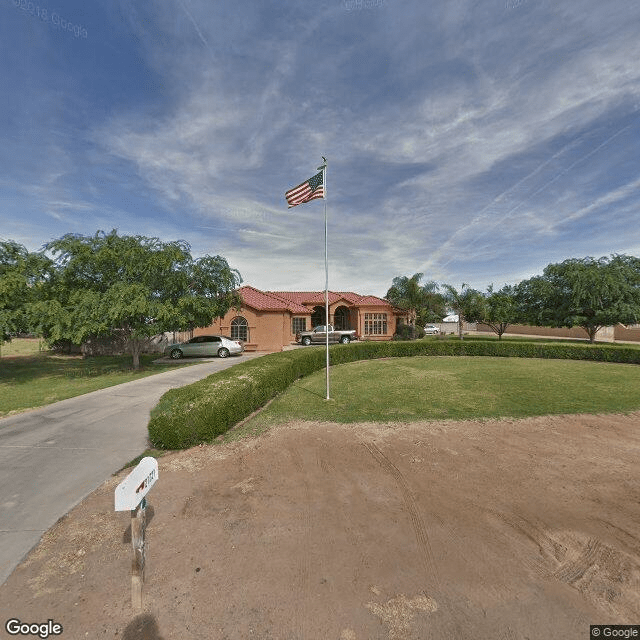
{"type": "Point", "coordinates": [22, 274]}
{"type": "Point", "coordinates": [424, 299]}
{"type": "Point", "coordinates": [500, 309]}
{"type": "Point", "coordinates": [585, 292]}
{"type": "Point", "coordinates": [468, 303]}
{"type": "Point", "coordinates": [131, 286]}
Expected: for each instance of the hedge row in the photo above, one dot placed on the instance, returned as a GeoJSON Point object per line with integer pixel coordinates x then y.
{"type": "Point", "coordinates": [205, 409]}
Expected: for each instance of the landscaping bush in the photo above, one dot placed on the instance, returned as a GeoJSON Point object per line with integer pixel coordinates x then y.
{"type": "Point", "coordinates": [205, 409]}
{"type": "Point", "coordinates": [408, 332]}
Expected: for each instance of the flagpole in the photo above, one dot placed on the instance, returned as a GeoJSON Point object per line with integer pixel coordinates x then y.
{"type": "Point", "coordinates": [326, 270]}
{"type": "Point", "coordinates": [298, 195]}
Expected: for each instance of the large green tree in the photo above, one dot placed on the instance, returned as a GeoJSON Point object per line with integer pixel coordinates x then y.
{"type": "Point", "coordinates": [22, 274]}
{"type": "Point", "coordinates": [424, 299]}
{"type": "Point", "coordinates": [500, 309]}
{"type": "Point", "coordinates": [584, 292]}
{"type": "Point", "coordinates": [132, 287]}
{"type": "Point", "coordinates": [468, 303]}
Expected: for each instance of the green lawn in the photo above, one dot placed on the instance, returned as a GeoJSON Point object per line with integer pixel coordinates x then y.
{"type": "Point", "coordinates": [30, 378]}
{"type": "Point", "coordinates": [436, 388]}
{"type": "Point", "coordinates": [21, 347]}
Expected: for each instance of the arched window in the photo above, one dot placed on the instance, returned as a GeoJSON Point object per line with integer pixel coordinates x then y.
{"type": "Point", "coordinates": [240, 329]}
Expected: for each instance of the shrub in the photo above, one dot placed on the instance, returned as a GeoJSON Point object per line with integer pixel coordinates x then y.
{"type": "Point", "coordinates": [408, 332]}
{"type": "Point", "coordinates": [205, 409]}
{"type": "Point", "coordinates": [201, 411]}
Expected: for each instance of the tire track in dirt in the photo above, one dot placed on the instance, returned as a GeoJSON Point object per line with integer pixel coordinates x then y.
{"type": "Point", "coordinates": [304, 566]}
{"type": "Point", "coordinates": [328, 480]}
{"type": "Point", "coordinates": [627, 538]}
{"type": "Point", "coordinates": [354, 539]}
{"type": "Point", "coordinates": [605, 576]}
{"type": "Point", "coordinates": [323, 460]}
{"type": "Point", "coordinates": [594, 552]}
{"type": "Point", "coordinates": [535, 534]}
{"type": "Point", "coordinates": [425, 551]}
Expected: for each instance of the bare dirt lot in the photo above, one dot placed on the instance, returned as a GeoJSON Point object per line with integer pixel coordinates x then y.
{"type": "Point", "coordinates": [476, 530]}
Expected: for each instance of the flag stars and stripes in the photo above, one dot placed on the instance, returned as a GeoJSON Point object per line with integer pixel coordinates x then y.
{"type": "Point", "coordinates": [309, 190]}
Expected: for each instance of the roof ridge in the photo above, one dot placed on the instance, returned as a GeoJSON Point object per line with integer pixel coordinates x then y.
{"type": "Point", "coordinates": [291, 305]}
{"type": "Point", "coordinates": [294, 301]}
{"type": "Point", "coordinates": [274, 294]}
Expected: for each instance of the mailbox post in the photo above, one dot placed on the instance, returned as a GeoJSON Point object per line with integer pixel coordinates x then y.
{"type": "Point", "coordinates": [130, 496]}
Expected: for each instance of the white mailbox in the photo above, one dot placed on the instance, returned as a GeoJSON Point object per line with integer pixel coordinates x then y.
{"type": "Point", "coordinates": [131, 491]}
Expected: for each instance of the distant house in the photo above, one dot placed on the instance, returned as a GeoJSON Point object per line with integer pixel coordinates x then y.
{"type": "Point", "coordinates": [269, 320]}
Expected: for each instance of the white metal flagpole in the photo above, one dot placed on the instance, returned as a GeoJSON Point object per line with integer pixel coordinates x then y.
{"type": "Point", "coordinates": [326, 268]}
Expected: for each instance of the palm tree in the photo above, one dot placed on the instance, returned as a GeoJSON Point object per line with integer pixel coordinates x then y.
{"type": "Point", "coordinates": [422, 299]}
{"type": "Point", "coordinates": [467, 303]}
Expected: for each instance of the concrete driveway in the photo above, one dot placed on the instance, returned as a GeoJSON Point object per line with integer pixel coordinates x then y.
{"type": "Point", "coordinates": [53, 457]}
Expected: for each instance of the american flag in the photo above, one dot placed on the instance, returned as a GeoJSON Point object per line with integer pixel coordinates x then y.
{"type": "Point", "coordinates": [310, 190]}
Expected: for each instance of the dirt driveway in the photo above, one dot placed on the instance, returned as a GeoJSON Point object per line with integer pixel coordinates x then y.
{"type": "Point", "coordinates": [477, 530]}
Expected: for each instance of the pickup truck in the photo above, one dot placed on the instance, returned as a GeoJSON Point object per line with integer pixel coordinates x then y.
{"type": "Point", "coordinates": [319, 335]}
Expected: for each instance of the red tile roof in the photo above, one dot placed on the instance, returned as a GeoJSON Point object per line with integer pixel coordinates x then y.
{"type": "Point", "coordinates": [308, 297]}
{"type": "Point", "coordinates": [266, 301]}
{"type": "Point", "coordinates": [369, 301]}
{"type": "Point", "coordinates": [294, 301]}
{"type": "Point", "coordinates": [317, 297]}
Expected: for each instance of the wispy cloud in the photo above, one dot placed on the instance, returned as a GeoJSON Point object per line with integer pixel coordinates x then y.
{"type": "Point", "coordinates": [464, 139]}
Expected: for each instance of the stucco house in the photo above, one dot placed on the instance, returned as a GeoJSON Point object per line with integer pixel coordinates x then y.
{"type": "Point", "coordinates": [269, 320]}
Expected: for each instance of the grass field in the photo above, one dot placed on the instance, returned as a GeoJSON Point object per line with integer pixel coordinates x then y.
{"type": "Point", "coordinates": [436, 388]}
{"type": "Point", "coordinates": [22, 347]}
{"type": "Point", "coordinates": [31, 378]}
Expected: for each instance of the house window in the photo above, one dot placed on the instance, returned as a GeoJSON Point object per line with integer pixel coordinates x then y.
{"type": "Point", "coordinates": [375, 324]}
{"type": "Point", "coordinates": [240, 329]}
{"type": "Point", "coordinates": [299, 324]}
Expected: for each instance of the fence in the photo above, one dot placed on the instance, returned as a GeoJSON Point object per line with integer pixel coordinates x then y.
{"type": "Point", "coordinates": [452, 327]}
{"type": "Point", "coordinates": [630, 332]}
{"type": "Point", "coordinates": [605, 334]}
{"type": "Point", "coordinates": [114, 346]}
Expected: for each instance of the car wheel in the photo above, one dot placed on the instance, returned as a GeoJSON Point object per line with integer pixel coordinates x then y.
{"type": "Point", "coordinates": [345, 340]}
{"type": "Point", "coordinates": [306, 341]}
{"type": "Point", "coordinates": [176, 354]}
{"type": "Point", "coordinates": [223, 352]}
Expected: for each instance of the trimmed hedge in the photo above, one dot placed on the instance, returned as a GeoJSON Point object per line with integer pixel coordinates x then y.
{"type": "Point", "coordinates": [203, 410]}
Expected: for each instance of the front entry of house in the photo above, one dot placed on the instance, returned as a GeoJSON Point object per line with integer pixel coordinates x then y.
{"type": "Point", "coordinates": [317, 317]}
{"type": "Point", "coordinates": [341, 319]}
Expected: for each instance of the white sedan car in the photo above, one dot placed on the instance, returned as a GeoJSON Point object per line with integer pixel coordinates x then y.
{"type": "Point", "coordinates": [431, 329]}
{"type": "Point", "coordinates": [205, 346]}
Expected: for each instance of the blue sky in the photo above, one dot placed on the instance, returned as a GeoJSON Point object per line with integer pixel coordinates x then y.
{"type": "Point", "coordinates": [473, 141]}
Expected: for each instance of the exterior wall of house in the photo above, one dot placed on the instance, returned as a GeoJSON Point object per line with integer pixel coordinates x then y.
{"type": "Point", "coordinates": [268, 330]}
{"type": "Point", "coordinates": [272, 330]}
{"type": "Point", "coordinates": [332, 314]}
{"type": "Point", "coordinates": [357, 320]}
{"type": "Point", "coordinates": [391, 323]}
